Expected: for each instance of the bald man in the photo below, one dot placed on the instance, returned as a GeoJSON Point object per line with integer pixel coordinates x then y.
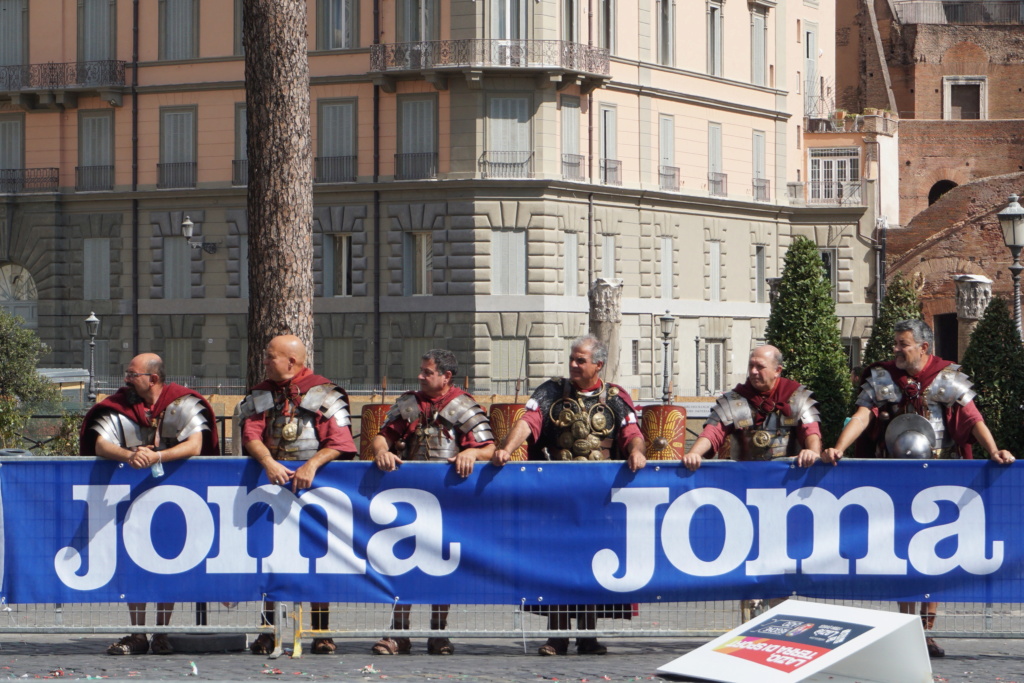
{"type": "Point", "coordinates": [767, 417]}
{"type": "Point", "coordinates": [146, 423]}
{"type": "Point", "coordinates": [295, 416]}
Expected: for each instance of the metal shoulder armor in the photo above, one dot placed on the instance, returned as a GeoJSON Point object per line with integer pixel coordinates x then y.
{"type": "Point", "coordinates": [108, 426]}
{"type": "Point", "coordinates": [467, 416]}
{"type": "Point", "coordinates": [183, 418]}
{"type": "Point", "coordinates": [731, 408]}
{"type": "Point", "coordinates": [803, 407]}
{"type": "Point", "coordinates": [951, 386]}
{"type": "Point", "coordinates": [255, 403]}
{"type": "Point", "coordinates": [334, 405]}
{"type": "Point", "coordinates": [880, 388]}
{"type": "Point", "coordinates": [406, 407]}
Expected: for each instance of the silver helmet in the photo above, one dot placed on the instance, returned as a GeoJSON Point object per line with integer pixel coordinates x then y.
{"type": "Point", "coordinates": [910, 436]}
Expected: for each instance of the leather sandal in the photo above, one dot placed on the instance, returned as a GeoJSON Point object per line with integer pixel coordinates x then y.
{"type": "Point", "coordinates": [135, 644]}
{"type": "Point", "coordinates": [161, 645]}
{"type": "Point", "coordinates": [440, 646]}
{"type": "Point", "coordinates": [263, 645]}
{"type": "Point", "coordinates": [323, 646]}
{"type": "Point", "coordinates": [554, 646]}
{"type": "Point", "coordinates": [934, 651]}
{"type": "Point", "coordinates": [590, 646]}
{"type": "Point", "coordinates": [392, 646]}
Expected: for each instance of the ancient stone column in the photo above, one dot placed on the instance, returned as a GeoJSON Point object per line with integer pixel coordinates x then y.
{"type": "Point", "coordinates": [606, 320]}
{"type": "Point", "coordinates": [973, 292]}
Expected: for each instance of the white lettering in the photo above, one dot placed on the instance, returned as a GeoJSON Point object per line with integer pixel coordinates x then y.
{"type": "Point", "coordinates": [675, 532]}
{"type": "Point", "coordinates": [640, 504]}
{"type": "Point", "coordinates": [426, 530]}
{"type": "Point", "coordinates": [138, 530]}
{"type": "Point", "coordinates": [968, 529]}
{"type": "Point", "coordinates": [101, 511]}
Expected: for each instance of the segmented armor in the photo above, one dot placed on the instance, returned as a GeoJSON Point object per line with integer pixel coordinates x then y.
{"type": "Point", "coordinates": [773, 438]}
{"type": "Point", "coordinates": [291, 433]}
{"type": "Point", "coordinates": [578, 425]}
{"type": "Point", "coordinates": [180, 420]}
{"type": "Point", "coordinates": [436, 436]}
{"type": "Point", "coordinates": [950, 386]}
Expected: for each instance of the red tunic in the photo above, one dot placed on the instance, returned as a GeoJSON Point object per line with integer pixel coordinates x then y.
{"type": "Point", "coordinates": [777, 398]}
{"type": "Point", "coordinates": [400, 430]}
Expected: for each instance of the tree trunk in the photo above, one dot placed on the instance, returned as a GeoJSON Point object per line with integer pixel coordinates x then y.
{"type": "Point", "coordinates": [280, 195]}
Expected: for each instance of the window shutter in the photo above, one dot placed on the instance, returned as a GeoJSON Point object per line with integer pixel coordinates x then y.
{"type": "Point", "coordinates": [95, 140]}
{"type": "Point", "coordinates": [759, 154]}
{"type": "Point", "coordinates": [570, 125]}
{"type": "Point", "coordinates": [11, 143]}
{"type": "Point", "coordinates": [572, 264]}
{"type": "Point", "coordinates": [96, 268]}
{"type": "Point", "coordinates": [177, 268]}
{"type": "Point", "coordinates": [417, 134]}
{"type": "Point", "coordinates": [179, 141]}
{"type": "Point", "coordinates": [241, 134]}
{"type": "Point", "coordinates": [715, 148]}
{"type": "Point", "coordinates": [95, 31]}
{"type": "Point", "coordinates": [179, 41]}
{"type": "Point", "coordinates": [12, 32]}
{"type": "Point", "coordinates": [509, 124]}
{"type": "Point", "coordinates": [666, 141]}
{"type": "Point", "coordinates": [757, 47]}
{"type": "Point", "coordinates": [336, 129]}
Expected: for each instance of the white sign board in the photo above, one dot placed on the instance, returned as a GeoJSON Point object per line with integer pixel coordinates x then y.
{"type": "Point", "coordinates": [813, 642]}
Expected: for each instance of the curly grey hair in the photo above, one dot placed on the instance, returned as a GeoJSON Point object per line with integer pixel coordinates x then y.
{"type": "Point", "coordinates": [919, 328]}
{"type": "Point", "coordinates": [598, 351]}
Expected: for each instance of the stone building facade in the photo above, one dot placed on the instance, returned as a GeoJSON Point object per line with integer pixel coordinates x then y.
{"type": "Point", "coordinates": [477, 165]}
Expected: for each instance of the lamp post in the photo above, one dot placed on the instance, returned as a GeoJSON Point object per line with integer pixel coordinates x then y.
{"type": "Point", "coordinates": [187, 228]}
{"type": "Point", "coordinates": [1011, 220]}
{"type": "Point", "coordinates": [668, 323]}
{"type": "Point", "coordinates": [92, 326]}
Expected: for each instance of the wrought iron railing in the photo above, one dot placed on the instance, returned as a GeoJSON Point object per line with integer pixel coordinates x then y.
{"type": "Point", "coordinates": [762, 190]}
{"type": "Point", "coordinates": [573, 167]}
{"type": "Point", "coordinates": [180, 174]}
{"type": "Point", "coordinates": [668, 178]}
{"type": "Point", "coordinates": [56, 75]}
{"type": "Point", "coordinates": [835, 192]}
{"type": "Point", "coordinates": [415, 165]}
{"type": "Point", "coordinates": [506, 164]}
{"type": "Point", "coordinates": [475, 53]}
{"type": "Point", "coordinates": [718, 184]}
{"type": "Point", "coordinates": [335, 169]}
{"type": "Point", "coordinates": [611, 171]}
{"type": "Point", "coordinates": [94, 178]}
{"type": "Point", "coordinates": [239, 172]}
{"type": "Point", "coordinates": [18, 180]}
{"type": "Point", "coordinates": [972, 12]}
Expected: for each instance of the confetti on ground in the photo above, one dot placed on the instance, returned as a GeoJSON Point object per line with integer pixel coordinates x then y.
{"type": "Point", "coordinates": [195, 669]}
{"type": "Point", "coordinates": [369, 669]}
{"type": "Point", "coordinates": [275, 672]}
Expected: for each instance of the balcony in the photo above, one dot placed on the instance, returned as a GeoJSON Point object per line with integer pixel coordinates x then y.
{"type": "Point", "coordinates": [551, 60]}
{"type": "Point", "coordinates": [57, 85]}
{"type": "Point", "coordinates": [239, 172]}
{"type": "Point", "coordinates": [668, 178]}
{"type": "Point", "coordinates": [94, 178]}
{"type": "Point", "coordinates": [180, 174]}
{"type": "Point", "coordinates": [993, 12]}
{"type": "Point", "coordinates": [762, 190]}
{"type": "Point", "coordinates": [335, 169]}
{"type": "Point", "coordinates": [828, 193]}
{"type": "Point", "coordinates": [574, 167]}
{"type": "Point", "coordinates": [718, 185]}
{"type": "Point", "coordinates": [416, 166]}
{"type": "Point", "coordinates": [611, 171]}
{"type": "Point", "coordinates": [18, 180]}
{"type": "Point", "coordinates": [506, 164]}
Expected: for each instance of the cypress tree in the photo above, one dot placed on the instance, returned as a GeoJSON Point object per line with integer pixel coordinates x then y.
{"type": "Point", "coordinates": [803, 325]}
{"type": "Point", "coordinates": [994, 360]}
{"type": "Point", "coordinates": [900, 303]}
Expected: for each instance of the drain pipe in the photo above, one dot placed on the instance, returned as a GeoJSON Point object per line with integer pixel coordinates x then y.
{"type": "Point", "coordinates": [376, 208]}
{"type": "Point", "coordinates": [135, 177]}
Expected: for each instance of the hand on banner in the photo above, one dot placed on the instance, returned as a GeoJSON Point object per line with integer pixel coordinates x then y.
{"type": "Point", "coordinates": [692, 461]}
{"type": "Point", "coordinates": [1003, 457]}
{"type": "Point", "coordinates": [807, 457]}
{"type": "Point", "coordinates": [278, 473]}
{"type": "Point", "coordinates": [387, 461]}
{"type": "Point", "coordinates": [303, 477]}
{"type": "Point", "coordinates": [143, 457]}
{"type": "Point", "coordinates": [463, 462]}
{"type": "Point", "coordinates": [831, 456]}
{"type": "Point", "coordinates": [500, 457]}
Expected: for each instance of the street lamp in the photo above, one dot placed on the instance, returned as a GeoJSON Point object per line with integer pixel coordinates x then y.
{"type": "Point", "coordinates": [92, 326]}
{"type": "Point", "coordinates": [187, 228]}
{"type": "Point", "coordinates": [668, 323]}
{"type": "Point", "coordinates": [1011, 220]}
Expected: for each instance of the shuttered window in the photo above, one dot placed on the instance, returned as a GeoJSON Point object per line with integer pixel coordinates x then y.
{"type": "Point", "coordinates": [179, 24]}
{"type": "Point", "coordinates": [418, 130]}
{"type": "Point", "coordinates": [96, 30]}
{"type": "Point", "coordinates": [418, 263]}
{"type": "Point", "coordinates": [759, 154]}
{"type": "Point", "coordinates": [337, 251]}
{"type": "Point", "coordinates": [96, 268]}
{"type": "Point", "coordinates": [241, 133]}
{"type": "Point", "coordinates": [760, 274]}
{"type": "Point", "coordinates": [715, 38]}
{"type": "Point", "coordinates": [508, 19]}
{"type": "Point", "coordinates": [608, 142]}
{"type": "Point", "coordinates": [715, 367]}
{"type": "Point", "coordinates": [337, 129]}
{"type": "Point", "coordinates": [572, 264]}
{"type": "Point", "coordinates": [178, 357]}
{"type": "Point", "coordinates": [13, 32]}
{"type": "Point", "coordinates": [337, 360]}
{"type": "Point", "coordinates": [508, 261]}
{"type": "Point", "coordinates": [509, 124]}
{"type": "Point", "coordinates": [714, 147]}
{"type": "Point", "coordinates": [570, 125]}
{"type": "Point", "coordinates": [336, 20]}
{"type": "Point", "coordinates": [12, 141]}
{"type": "Point", "coordinates": [666, 141]}
{"type": "Point", "coordinates": [758, 45]}
{"type": "Point", "coordinates": [177, 268]}
{"type": "Point", "coordinates": [666, 32]}
{"type": "Point", "coordinates": [95, 139]}
{"type": "Point", "coordinates": [177, 132]}
{"type": "Point", "coordinates": [417, 20]}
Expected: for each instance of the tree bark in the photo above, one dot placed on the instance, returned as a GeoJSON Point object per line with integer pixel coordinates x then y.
{"type": "Point", "coordinates": [280, 194]}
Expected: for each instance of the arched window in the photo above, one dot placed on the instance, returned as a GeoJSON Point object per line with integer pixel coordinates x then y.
{"type": "Point", "coordinates": [18, 294]}
{"type": "Point", "coordinates": [938, 189]}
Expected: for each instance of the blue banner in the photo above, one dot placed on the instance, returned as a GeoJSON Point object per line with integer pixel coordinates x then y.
{"type": "Point", "coordinates": [213, 529]}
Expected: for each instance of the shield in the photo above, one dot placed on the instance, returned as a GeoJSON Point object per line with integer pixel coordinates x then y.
{"type": "Point", "coordinates": [664, 430]}
{"type": "Point", "coordinates": [503, 416]}
{"type": "Point", "coordinates": [910, 436]}
{"type": "Point", "coordinates": [372, 420]}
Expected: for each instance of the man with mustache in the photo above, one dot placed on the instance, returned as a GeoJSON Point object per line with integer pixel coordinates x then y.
{"type": "Point", "coordinates": [918, 382]}
{"type": "Point", "coordinates": [439, 423]}
{"type": "Point", "coordinates": [295, 415]}
{"type": "Point", "coordinates": [146, 423]}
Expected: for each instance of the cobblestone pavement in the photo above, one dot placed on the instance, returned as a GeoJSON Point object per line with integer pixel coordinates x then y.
{"type": "Point", "coordinates": [489, 660]}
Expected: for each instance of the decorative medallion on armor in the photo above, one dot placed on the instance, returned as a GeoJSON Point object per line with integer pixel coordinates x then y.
{"type": "Point", "coordinates": [436, 436]}
{"type": "Point", "coordinates": [291, 420]}
{"type": "Point", "coordinates": [771, 439]}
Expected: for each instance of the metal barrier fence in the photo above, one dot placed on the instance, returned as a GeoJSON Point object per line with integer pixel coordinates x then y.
{"type": "Point", "coordinates": [370, 621]}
